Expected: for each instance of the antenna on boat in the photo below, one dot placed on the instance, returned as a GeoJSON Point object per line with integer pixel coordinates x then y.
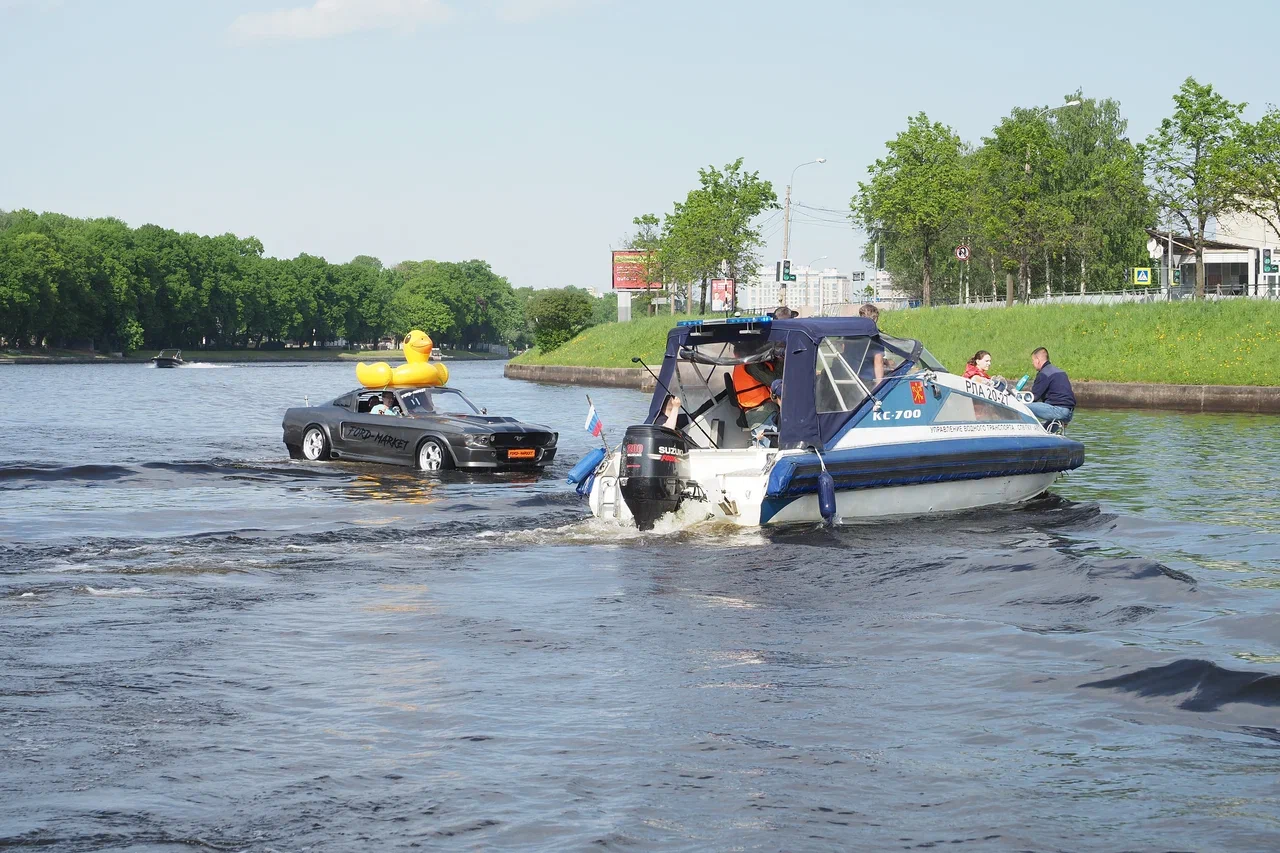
{"type": "Point", "coordinates": [640, 361]}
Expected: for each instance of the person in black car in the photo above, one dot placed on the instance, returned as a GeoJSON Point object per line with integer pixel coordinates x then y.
{"type": "Point", "coordinates": [387, 406]}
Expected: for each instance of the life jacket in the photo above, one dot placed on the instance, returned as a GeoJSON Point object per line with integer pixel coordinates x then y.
{"type": "Point", "coordinates": [751, 392]}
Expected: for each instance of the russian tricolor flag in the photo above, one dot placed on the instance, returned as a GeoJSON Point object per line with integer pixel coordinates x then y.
{"type": "Point", "coordinates": [594, 425]}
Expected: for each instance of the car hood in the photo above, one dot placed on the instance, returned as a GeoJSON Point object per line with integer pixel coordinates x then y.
{"type": "Point", "coordinates": [486, 423]}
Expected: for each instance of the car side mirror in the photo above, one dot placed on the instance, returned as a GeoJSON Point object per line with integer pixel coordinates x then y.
{"type": "Point", "coordinates": [484, 411]}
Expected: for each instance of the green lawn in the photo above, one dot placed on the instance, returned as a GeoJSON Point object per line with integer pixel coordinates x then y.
{"type": "Point", "coordinates": [1232, 342]}
{"type": "Point", "coordinates": [611, 344]}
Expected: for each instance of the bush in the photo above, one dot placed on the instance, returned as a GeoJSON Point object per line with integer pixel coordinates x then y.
{"type": "Point", "coordinates": [558, 315]}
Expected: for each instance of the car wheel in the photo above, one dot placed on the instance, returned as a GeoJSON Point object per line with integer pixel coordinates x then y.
{"type": "Point", "coordinates": [432, 456]}
{"type": "Point", "coordinates": [315, 444]}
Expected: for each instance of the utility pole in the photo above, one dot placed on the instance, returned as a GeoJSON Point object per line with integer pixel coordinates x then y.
{"type": "Point", "coordinates": [786, 239]}
{"type": "Point", "coordinates": [786, 227]}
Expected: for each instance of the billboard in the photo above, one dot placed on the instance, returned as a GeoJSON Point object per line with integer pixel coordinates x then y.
{"type": "Point", "coordinates": [721, 293]}
{"type": "Point", "coordinates": [628, 270]}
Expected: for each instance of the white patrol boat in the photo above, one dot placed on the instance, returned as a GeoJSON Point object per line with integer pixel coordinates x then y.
{"type": "Point", "coordinates": [869, 426]}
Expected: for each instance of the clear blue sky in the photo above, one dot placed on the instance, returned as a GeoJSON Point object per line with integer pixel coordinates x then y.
{"type": "Point", "coordinates": [530, 132]}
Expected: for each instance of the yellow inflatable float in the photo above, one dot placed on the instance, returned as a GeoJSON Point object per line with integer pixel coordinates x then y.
{"type": "Point", "coordinates": [416, 371]}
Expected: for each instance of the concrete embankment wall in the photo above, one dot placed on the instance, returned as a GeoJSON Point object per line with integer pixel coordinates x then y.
{"type": "Point", "coordinates": [608, 377]}
{"type": "Point", "coordinates": [1089, 395]}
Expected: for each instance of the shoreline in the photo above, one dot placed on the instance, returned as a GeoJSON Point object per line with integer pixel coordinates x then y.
{"type": "Point", "coordinates": [237, 357]}
{"type": "Point", "coordinates": [1248, 399]}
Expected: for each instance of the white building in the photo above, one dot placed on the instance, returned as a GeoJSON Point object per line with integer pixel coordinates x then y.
{"type": "Point", "coordinates": [813, 293]}
{"type": "Point", "coordinates": [1241, 257]}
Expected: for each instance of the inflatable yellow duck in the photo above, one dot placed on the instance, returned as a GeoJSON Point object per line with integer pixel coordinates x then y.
{"type": "Point", "coordinates": [417, 370]}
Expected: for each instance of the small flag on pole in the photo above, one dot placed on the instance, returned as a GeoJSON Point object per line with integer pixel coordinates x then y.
{"type": "Point", "coordinates": [594, 425]}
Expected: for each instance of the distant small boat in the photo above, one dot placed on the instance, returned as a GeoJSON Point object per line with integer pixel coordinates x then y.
{"type": "Point", "coordinates": [169, 358]}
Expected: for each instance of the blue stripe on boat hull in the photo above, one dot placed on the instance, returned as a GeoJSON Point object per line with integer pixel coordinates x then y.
{"type": "Point", "coordinates": [926, 462]}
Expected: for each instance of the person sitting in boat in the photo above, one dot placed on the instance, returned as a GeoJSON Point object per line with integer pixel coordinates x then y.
{"type": "Point", "coordinates": [751, 386]}
{"type": "Point", "coordinates": [872, 369]}
{"type": "Point", "coordinates": [387, 406]}
{"type": "Point", "coordinates": [1051, 392]}
{"type": "Point", "coordinates": [670, 416]}
{"type": "Point", "coordinates": [977, 367]}
{"type": "Point", "coordinates": [766, 435]}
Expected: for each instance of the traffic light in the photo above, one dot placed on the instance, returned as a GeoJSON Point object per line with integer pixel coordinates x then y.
{"type": "Point", "coordinates": [787, 275]}
{"type": "Point", "coordinates": [1269, 261]}
{"type": "Point", "coordinates": [879, 256]}
{"type": "Point", "coordinates": [1177, 276]}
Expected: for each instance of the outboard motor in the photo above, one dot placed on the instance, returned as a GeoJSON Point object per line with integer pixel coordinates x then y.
{"type": "Point", "coordinates": [655, 472]}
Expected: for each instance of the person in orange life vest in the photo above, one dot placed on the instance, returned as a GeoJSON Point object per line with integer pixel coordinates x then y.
{"type": "Point", "coordinates": [751, 386]}
{"type": "Point", "coordinates": [977, 369]}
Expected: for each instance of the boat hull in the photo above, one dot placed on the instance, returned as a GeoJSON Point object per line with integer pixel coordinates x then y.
{"type": "Point", "coordinates": [861, 505]}
{"type": "Point", "coordinates": [167, 362]}
{"type": "Point", "coordinates": [754, 487]}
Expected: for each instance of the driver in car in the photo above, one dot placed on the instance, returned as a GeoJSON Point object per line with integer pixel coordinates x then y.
{"type": "Point", "coordinates": [387, 406]}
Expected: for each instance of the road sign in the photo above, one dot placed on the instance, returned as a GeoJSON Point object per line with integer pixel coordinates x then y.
{"type": "Point", "coordinates": [962, 252]}
{"type": "Point", "coordinates": [1142, 275]}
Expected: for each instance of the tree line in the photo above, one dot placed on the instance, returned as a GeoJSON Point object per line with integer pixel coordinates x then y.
{"type": "Point", "coordinates": [67, 281]}
{"type": "Point", "coordinates": [1059, 197]}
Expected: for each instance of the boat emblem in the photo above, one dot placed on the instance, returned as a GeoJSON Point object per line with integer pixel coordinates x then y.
{"type": "Point", "coordinates": [519, 438]}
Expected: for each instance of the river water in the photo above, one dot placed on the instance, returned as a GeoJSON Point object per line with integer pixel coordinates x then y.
{"type": "Point", "coordinates": [205, 645]}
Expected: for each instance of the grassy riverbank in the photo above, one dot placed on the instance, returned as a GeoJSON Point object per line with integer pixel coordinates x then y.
{"type": "Point", "coordinates": [1233, 342]}
{"type": "Point", "coordinates": [55, 356]}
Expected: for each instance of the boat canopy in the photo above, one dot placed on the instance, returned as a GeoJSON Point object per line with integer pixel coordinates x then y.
{"type": "Point", "coordinates": [828, 367]}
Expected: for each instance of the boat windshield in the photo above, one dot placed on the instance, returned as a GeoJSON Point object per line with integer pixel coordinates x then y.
{"type": "Point", "coordinates": [436, 401]}
{"type": "Point", "coordinates": [849, 368]}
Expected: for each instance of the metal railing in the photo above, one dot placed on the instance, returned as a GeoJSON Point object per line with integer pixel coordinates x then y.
{"type": "Point", "coordinates": [1126, 295]}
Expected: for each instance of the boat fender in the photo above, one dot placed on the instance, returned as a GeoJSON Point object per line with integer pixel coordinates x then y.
{"type": "Point", "coordinates": [826, 491]}
{"type": "Point", "coordinates": [586, 465]}
{"type": "Point", "coordinates": [826, 496]}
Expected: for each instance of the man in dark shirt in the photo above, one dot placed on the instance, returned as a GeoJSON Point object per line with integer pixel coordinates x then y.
{"type": "Point", "coordinates": [1054, 399]}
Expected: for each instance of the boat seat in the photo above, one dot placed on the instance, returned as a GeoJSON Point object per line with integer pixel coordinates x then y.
{"type": "Point", "coordinates": [733, 395]}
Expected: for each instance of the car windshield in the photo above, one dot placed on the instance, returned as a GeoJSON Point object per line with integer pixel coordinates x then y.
{"type": "Point", "coordinates": [437, 401]}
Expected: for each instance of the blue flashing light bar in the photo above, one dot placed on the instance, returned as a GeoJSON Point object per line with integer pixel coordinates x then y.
{"type": "Point", "coordinates": [725, 321]}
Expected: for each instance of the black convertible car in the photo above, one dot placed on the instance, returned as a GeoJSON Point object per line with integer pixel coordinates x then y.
{"type": "Point", "coordinates": [435, 429]}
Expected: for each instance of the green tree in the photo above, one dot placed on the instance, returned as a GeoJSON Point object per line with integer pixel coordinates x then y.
{"type": "Point", "coordinates": [1101, 185]}
{"type": "Point", "coordinates": [1196, 164]}
{"type": "Point", "coordinates": [414, 309]}
{"type": "Point", "coordinates": [1262, 172]}
{"type": "Point", "coordinates": [482, 303]}
{"type": "Point", "coordinates": [648, 238]}
{"type": "Point", "coordinates": [714, 231]}
{"type": "Point", "coordinates": [915, 192]}
{"type": "Point", "coordinates": [736, 199]}
{"type": "Point", "coordinates": [1020, 167]}
{"type": "Point", "coordinates": [558, 315]}
{"type": "Point", "coordinates": [29, 268]}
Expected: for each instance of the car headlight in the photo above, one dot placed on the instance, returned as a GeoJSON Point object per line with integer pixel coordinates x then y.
{"type": "Point", "coordinates": [555, 436]}
{"type": "Point", "coordinates": [484, 440]}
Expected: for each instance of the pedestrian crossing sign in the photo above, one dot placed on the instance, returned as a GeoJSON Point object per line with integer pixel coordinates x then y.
{"type": "Point", "coordinates": [1142, 275]}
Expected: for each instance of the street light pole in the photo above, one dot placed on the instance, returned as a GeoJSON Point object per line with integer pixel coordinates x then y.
{"type": "Point", "coordinates": [807, 272]}
{"type": "Point", "coordinates": [1045, 112]}
{"type": "Point", "coordinates": [786, 226]}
